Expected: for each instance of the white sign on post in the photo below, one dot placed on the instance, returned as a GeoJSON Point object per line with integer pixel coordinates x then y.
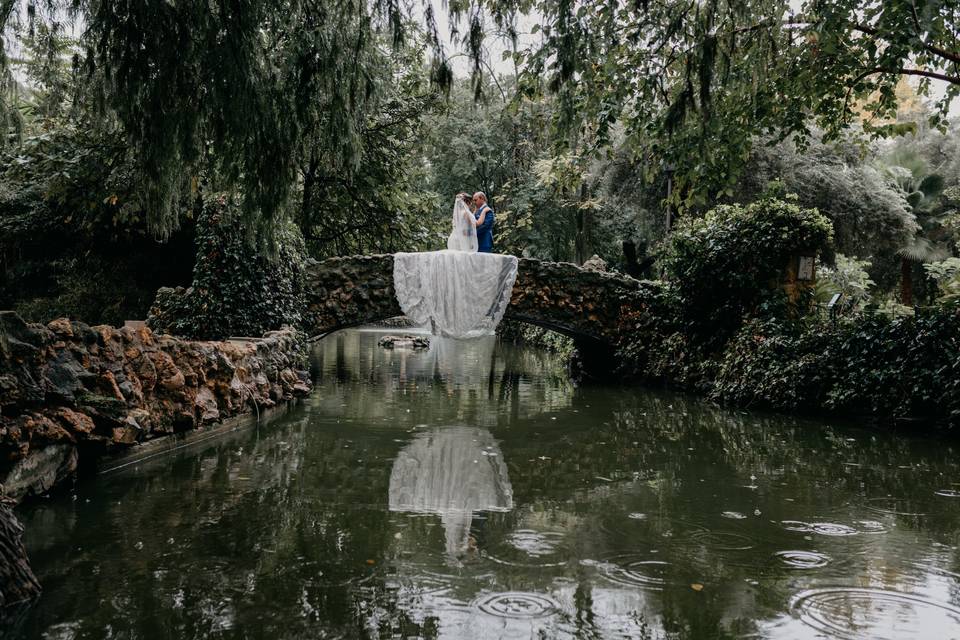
{"type": "Point", "coordinates": [805, 268]}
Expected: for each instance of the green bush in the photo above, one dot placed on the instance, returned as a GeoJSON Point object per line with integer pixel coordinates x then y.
{"type": "Point", "coordinates": [848, 277]}
{"type": "Point", "coordinates": [775, 365]}
{"type": "Point", "coordinates": [89, 288]}
{"type": "Point", "coordinates": [887, 367]}
{"type": "Point", "coordinates": [946, 273]}
{"type": "Point", "coordinates": [237, 290]}
{"type": "Point", "coordinates": [654, 346]}
{"type": "Point", "coordinates": [73, 236]}
{"type": "Point", "coordinates": [727, 265]}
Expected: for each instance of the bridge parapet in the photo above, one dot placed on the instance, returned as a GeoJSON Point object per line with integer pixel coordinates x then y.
{"type": "Point", "coordinates": [584, 304]}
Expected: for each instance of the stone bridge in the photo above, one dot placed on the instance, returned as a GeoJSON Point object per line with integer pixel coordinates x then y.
{"type": "Point", "coordinates": [587, 305]}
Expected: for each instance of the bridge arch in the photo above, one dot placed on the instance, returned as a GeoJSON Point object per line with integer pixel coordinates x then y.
{"type": "Point", "coordinates": [587, 305]}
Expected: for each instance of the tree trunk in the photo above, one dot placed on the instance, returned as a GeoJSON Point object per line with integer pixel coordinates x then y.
{"type": "Point", "coordinates": [579, 240]}
{"type": "Point", "coordinates": [582, 239]}
{"type": "Point", "coordinates": [906, 282]}
{"type": "Point", "coordinates": [309, 186]}
{"type": "Point", "coordinates": [17, 582]}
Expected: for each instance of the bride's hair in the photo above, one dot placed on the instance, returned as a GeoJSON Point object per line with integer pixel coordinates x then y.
{"type": "Point", "coordinates": [463, 195]}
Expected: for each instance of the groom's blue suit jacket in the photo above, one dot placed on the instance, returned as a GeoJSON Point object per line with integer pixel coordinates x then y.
{"type": "Point", "coordinates": [485, 230]}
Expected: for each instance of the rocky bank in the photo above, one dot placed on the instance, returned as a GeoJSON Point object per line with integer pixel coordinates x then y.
{"type": "Point", "coordinates": [71, 393]}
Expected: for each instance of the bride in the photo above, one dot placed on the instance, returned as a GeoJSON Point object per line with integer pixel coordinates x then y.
{"type": "Point", "coordinates": [460, 292]}
{"type": "Point", "coordinates": [463, 237]}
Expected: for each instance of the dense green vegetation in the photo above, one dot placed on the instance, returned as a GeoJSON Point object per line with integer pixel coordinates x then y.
{"type": "Point", "coordinates": [727, 336]}
{"type": "Point", "coordinates": [214, 147]}
{"type": "Point", "coordinates": [235, 291]}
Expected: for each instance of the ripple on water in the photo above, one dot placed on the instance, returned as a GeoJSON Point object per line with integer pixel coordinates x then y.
{"type": "Point", "coordinates": [419, 584]}
{"type": "Point", "coordinates": [642, 524]}
{"type": "Point", "coordinates": [893, 505]}
{"type": "Point", "coordinates": [528, 548]}
{"type": "Point", "coordinates": [832, 529]}
{"type": "Point", "coordinates": [416, 578]}
{"type": "Point", "coordinates": [873, 613]}
{"type": "Point", "coordinates": [870, 526]}
{"type": "Point", "coordinates": [802, 559]}
{"type": "Point", "coordinates": [721, 540]}
{"type": "Point", "coordinates": [333, 579]}
{"type": "Point", "coordinates": [535, 543]}
{"type": "Point", "coordinates": [636, 571]}
{"type": "Point", "coordinates": [517, 604]}
{"type": "Point", "coordinates": [948, 493]}
{"type": "Point", "coordinates": [733, 515]}
{"type": "Point", "coordinates": [828, 528]}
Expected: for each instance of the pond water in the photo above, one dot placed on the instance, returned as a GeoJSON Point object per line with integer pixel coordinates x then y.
{"type": "Point", "coordinates": [471, 491]}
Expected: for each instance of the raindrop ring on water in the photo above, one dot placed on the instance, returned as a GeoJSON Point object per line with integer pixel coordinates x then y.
{"type": "Point", "coordinates": [832, 529]}
{"type": "Point", "coordinates": [887, 504]}
{"type": "Point", "coordinates": [948, 493]}
{"type": "Point", "coordinates": [517, 604]}
{"type": "Point", "coordinates": [721, 540]}
{"type": "Point", "coordinates": [634, 571]}
{"type": "Point", "coordinates": [803, 559]}
{"type": "Point", "coordinates": [853, 613]}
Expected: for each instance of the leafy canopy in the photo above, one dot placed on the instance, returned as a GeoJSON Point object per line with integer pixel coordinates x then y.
{"type": "Point", "coordinates": [690, 84]}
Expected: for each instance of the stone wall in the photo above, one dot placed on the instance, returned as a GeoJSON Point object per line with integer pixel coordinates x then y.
{"type": "Point", "coordinates": [346, 292]}
{"type": "Point", "coordinates": [582, 303]}
{"type": "Point", "coordinates": [70, 393]}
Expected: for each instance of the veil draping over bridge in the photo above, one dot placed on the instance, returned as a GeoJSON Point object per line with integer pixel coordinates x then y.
{"type": "Point", "coordinates": [459, 292]}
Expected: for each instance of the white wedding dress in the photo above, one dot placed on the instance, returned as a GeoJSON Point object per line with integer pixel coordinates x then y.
{"type": "Point", "coordinates": [460, 292]}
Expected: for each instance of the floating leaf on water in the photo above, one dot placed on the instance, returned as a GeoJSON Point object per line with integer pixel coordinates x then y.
{"type": "Point", "coordinates": [696, 586]}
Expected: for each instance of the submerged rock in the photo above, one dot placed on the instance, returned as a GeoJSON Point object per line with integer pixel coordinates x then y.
{"type": "Point", "coordinates": [413, 342]}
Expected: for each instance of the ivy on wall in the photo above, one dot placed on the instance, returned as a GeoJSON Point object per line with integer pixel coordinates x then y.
{"type": "Point", "coordinates": [237, 289]}
{"type": "Point", "coordinates": [721, 265]}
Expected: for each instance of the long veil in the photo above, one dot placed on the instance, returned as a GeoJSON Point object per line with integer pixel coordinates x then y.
{"type": "Point", "coordinates": [463, 237]}
{"type": "Point", "coordinates": [462, 293]}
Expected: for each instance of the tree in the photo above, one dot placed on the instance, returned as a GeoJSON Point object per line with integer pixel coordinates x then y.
{"type": "Point", "coordinates": [694, 83]}
{"type": "Point", "coordinates": [922, 191]}
{"type": "Point", "coordinates": [384, 204]}
{"type": "Point", "coordinates": [871, 217]}
{"type": "Point", "coordinates": [230, 90]}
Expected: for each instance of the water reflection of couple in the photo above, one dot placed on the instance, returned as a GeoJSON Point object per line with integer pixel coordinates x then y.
{"type": "Point", "coordinates": [453, 472]}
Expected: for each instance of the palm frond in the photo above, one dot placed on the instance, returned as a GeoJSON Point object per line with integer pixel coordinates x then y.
{"type": "Point", "coordinates": [920, 249]}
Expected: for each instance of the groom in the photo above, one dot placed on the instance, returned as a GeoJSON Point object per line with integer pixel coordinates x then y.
{"type": "Point", "coordinates": [484, 215]}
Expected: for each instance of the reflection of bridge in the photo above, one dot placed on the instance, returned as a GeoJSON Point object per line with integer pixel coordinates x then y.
{"type": "Point", "coordinates": [585, 305]}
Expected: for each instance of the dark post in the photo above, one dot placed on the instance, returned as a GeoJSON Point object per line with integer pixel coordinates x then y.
{"type": "Point", "coordinates": [668, 217]}
{"type": "Point", "coordinates": [18, 585]}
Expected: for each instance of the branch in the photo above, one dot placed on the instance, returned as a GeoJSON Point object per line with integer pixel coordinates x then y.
{"type": "Point", "coordinates": [919, 72]}
{"type": "Point", "coordinates": [943, 53]}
